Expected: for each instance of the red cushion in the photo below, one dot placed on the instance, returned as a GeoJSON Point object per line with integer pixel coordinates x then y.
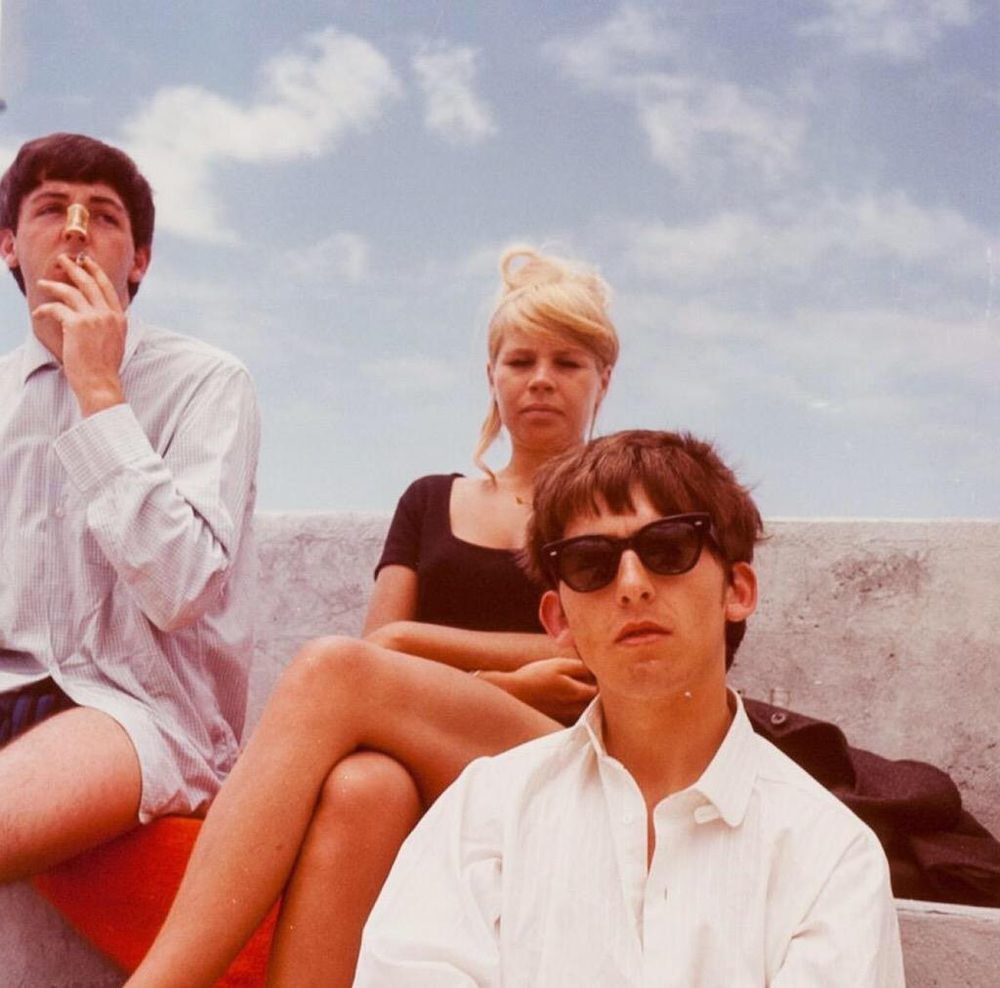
{"type": "Point", "coordinates": [117, 896]}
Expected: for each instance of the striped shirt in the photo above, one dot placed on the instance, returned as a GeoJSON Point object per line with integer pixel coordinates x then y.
{"type": "Point", "coordinates": [127, 564]}
{"type": "Point", "coordinates": [531, 871]}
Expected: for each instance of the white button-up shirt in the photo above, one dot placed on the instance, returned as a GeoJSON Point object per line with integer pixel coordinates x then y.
{"type": "Point", "coordinates": [127, 565]}
{"type": "Point", "coordinates": [531, 871]}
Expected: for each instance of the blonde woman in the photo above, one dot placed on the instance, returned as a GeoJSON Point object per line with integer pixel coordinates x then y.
{"type": "Point", "coordinates": [359, 737]}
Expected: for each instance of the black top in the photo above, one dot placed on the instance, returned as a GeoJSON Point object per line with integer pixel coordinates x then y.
{"type": "Point", "coordinates": [460, 584]}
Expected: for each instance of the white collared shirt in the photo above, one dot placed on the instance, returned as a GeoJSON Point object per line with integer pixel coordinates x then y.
{"type": "Point", "coordinates": [531, 871]}
{"type": "Point", "coordinates": [127, 564]}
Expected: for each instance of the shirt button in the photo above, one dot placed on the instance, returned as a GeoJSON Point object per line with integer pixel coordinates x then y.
{"type": "Point", "coordinates": [626, 818]}
{"type": "Point", "coordinates": [59, 512]}
{"type": "Point", "coordinates": [666, 892]}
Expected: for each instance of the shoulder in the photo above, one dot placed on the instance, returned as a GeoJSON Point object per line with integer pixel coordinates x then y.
{"type": "Point", "coordinates": [803, 819]}
{"type": "Point", "coordinates": [186, 354]}
{"type": "Point", "coordinates": [520, 767]}
{"type": "Point", "coordinates": [423, 489]}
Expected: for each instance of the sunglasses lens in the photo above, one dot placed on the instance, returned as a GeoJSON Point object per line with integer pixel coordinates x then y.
{"type": "Point", "coordinates": [588, 564]}
{"type": "Point", "coordinates": [669, 547]}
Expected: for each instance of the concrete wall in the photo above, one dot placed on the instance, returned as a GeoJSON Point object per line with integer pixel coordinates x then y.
{"type": "Point", "coordinates": [888, 628]}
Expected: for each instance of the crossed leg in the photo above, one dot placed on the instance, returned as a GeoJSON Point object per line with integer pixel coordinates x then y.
{"type": "Point", "coordinates": [69, 783]}
{"type": "Point", "coordinates": [369, 803]}
{"type": "Point", "coordinates": [339, 695]}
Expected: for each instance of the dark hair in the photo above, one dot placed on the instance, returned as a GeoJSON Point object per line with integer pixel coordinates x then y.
{"type": "Point", "coordinates": [77, 158]}
{"type": "Point", "coordinates": [678, 473]}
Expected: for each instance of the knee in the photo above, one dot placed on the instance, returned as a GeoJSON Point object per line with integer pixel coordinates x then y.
{"type": "Point", "coordinates": [325, 665]}
{"type": "Point", "coordinates": [366, 786]}
{"type": "Point", "coordinates": [368, 799]}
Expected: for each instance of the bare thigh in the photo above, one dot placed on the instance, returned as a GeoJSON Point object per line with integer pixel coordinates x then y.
{"type": "Point", "coordinates": [69, 783]}
{"type": "Point", "coordinates": [431, 718]}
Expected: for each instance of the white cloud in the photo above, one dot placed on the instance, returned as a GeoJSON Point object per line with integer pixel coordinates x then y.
{"type": "Point", "coordinates": [599, 57]}
{"type": "Point", "coordinates": [688, 120]}
{"type": "Point", "coordinates": [413, 375]}
{"type": "Point", "coordinates": [692, 123]}
{"type": "Point", "coordinates": [453, 109]}
{"type": "Point", "coordinates": [875, 367]}
{"type": "Point", "coordinates": [342, 256]}
{"type": "Point", "coordinates": [798, 237]}
{"type": "Point", "coordinates": [899, 29]}
{"type": "Point", "coordinates": [307, 101]}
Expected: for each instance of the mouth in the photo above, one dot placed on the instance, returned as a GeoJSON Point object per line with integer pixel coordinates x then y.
{"type": "Point", "coordinates": [541, 409]}
{"type": "Point", "coordinates": [641, 633]}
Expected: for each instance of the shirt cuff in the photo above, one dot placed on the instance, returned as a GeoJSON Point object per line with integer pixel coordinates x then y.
{"type": "Point", "coordinates": [100, 445]}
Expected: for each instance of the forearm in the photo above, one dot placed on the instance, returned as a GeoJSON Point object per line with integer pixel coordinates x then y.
{"type": "Point", "coordinates": [500, 651]}
{"type": "Point", "coordinates": [169, 523]}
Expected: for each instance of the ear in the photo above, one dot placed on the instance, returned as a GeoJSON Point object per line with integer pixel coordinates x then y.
{"type": "Point", "coordinates": [140, 264]}
{"type": "Point", "coordinates": [489, 375]}
{"type": "Point", "coordinates": [8, 248]}
{"type": "Point", "coordinates": [553, 618]}
{"type": "Point", "coordinates": [741, 592]}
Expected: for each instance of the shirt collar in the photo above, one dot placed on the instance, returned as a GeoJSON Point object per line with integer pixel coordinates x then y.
{"type": "Point", "coordinates": [36, 355]}
{"type": "Point", "coordinates": [589, 728]}
{"type": "Point", "coordinates": [728, 780]}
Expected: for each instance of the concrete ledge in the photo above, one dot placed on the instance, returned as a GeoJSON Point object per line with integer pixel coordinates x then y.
{"type": "Point", "coordinates": [888, 628]}
{"type": "Point", "coordinates": [949, 946]}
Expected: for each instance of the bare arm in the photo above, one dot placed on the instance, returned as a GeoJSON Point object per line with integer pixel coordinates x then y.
{"type": "Point", "coordinates": [531, 667]}
{"type": "Point", "coordinates": [391, 623]}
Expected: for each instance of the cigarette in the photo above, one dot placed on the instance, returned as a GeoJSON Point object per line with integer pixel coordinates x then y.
{"type": "Point", "coordinates": [77, 218]}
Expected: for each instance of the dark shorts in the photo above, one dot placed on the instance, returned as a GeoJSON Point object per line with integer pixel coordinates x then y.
{"type": "Point", "coordinates": [21, 709]}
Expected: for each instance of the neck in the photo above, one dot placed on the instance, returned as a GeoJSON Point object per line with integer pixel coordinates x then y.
{"type": "Point", "coordinates": [667, 744]}
{"type": "Point", "coordinates": [525, 463]}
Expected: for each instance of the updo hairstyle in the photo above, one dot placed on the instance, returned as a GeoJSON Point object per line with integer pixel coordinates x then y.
{"type": "Point", "coordinates": [547, 297]}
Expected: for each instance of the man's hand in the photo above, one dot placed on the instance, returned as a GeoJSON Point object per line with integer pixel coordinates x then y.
{"type": "Point", "coordinates": [93, 325]}
{"type": "Point", "coordinates": [560, 687]}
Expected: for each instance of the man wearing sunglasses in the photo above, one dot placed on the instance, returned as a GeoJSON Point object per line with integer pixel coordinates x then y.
{"type": "Point", "coordinates": [659, 841]}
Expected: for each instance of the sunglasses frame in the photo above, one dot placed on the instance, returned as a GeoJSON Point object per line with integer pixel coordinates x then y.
{"type": "Point", "coordinates": [699, 521]}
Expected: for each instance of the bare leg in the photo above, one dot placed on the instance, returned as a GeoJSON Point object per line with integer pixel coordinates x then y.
{"type": "Point", "coordinates": [68, 784]}
{"type": "Point", "coordinates": [368, 805]}
{"type": "Point", "coordinates": [337, 696]}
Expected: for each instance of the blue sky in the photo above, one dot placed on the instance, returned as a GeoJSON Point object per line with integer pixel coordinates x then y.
{"type": "Point", "coordinates": [795, 204]}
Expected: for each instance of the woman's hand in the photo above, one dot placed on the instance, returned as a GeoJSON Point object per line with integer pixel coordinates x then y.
{"type": "Point", "coordinates": [560, 687]}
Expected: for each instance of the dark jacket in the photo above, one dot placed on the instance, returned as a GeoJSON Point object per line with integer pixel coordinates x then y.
{"type": "Point", "coordinates": [936, 850]}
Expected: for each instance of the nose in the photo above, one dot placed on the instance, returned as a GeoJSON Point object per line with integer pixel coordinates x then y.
{"type": "Point", "coordinates": [541, 378]}
{"type": "Point", "coordinates": [632, 583]}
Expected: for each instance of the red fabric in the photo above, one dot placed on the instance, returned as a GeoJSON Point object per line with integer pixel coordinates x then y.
{"type": "Point", "coordinates": [117, 896]}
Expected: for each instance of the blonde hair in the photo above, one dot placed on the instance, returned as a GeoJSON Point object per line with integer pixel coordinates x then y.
{"type": "Point", "coordinates": [547, 296]}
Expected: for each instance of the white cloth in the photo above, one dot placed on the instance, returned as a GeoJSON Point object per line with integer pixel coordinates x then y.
{"type": "Point", "coordinates": [127, 564]}
{"type": "Point", "coordinates": [531, 871]}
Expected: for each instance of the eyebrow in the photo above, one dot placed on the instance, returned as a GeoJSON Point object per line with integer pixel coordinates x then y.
{"type": "Point", "coordinates": [95, 200]}
{"type": "Point", "coordinates": [567, 351]}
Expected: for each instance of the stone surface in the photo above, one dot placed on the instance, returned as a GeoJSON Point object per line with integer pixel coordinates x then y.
{"type": "Point", "coordinates": [949, 946]}
{"type": "Point", "coordinates": [888, 628]}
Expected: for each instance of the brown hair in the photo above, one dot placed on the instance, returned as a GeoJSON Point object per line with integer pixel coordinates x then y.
{"type": "Point", "coordinates": [547, 296]}
{"type": "Point", "coordinates": [77, 158]}
{"type": "Point", "coordinates": [678, 473]}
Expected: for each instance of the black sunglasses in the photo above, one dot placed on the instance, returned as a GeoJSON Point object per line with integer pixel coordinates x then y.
{"type": "Point", "coordinates": [667, 546]}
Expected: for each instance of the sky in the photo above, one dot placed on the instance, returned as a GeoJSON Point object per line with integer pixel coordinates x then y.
{"type": "Point", "coordinates": [795, 203]}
